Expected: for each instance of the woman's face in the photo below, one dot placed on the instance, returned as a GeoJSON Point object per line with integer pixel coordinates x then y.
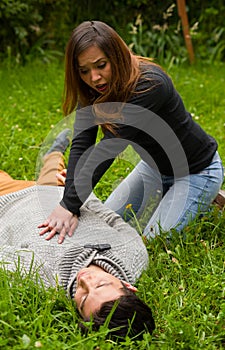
{"type": "Point", "coordinates": [94, 287]}
{"type": "Point", "coordinates": [95, 69]}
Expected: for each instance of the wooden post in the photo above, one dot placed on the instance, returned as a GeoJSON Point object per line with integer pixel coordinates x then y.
{"type": "Point", "coordinates": [184, 20]}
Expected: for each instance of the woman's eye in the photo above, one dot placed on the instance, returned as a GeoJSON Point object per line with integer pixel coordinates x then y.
{"type": "Point", "coordinates": [102, 65]}
{"type": "Point", "coordinates": [83, 71]}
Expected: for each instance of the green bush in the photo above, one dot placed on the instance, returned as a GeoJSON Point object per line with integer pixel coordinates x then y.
{"type": "Point", "coordinates": [163, 42]}
{"type": "Point", "coordinates": [32, 28]}
{"type": "Point", "coordinates": [40, 28]}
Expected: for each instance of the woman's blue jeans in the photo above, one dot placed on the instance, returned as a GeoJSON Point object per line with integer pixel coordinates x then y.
{"type": "Point", "coordinates": [163, 202]}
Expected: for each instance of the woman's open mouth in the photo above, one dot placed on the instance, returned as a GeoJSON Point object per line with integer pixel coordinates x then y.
{"type": "Point", "coordinates": [101, 87]}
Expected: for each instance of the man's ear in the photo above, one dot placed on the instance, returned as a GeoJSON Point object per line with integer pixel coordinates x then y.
{"type": "Point", "coordinates": [130, 287]}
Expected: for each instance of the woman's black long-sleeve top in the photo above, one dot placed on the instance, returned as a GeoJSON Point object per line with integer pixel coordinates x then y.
{"type": "Point", "coordinates": [154, 122]}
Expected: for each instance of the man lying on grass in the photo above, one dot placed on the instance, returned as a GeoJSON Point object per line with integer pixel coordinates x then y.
{"type": "Point", "coordinates": [97, 265]}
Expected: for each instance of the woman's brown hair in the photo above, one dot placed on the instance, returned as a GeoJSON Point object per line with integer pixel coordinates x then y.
{"type": "Point", "coordinates": [124, 65]}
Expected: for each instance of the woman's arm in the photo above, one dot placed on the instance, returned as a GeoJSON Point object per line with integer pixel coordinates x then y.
{"type": "Point", "coordinates": [62, 220]}
{"type": "Point", "coordinates": [82, 144]}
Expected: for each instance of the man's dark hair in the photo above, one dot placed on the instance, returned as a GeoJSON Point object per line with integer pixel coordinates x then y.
{"type": "Point", "coordinates": [129, 316]}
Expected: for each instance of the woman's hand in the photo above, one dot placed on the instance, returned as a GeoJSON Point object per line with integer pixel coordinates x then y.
{"type": "Point", "coordinates": [60, 221]}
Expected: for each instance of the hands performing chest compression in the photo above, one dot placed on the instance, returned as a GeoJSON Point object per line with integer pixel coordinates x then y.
{"type": "Point", "coordinates": [61, 221]}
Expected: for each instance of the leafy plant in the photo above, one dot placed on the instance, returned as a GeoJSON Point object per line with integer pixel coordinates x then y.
{"type": "Point", "coordinates": [209, 34]}
{"type": "Point", "coordinates": [216, 45]}
{"type": "Point", "coordinates": [163, 42]}
{"type": "Point", "coordinates": [31, 28]}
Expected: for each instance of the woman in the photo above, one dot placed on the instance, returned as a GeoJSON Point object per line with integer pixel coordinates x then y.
{"type": "Point", "coordinates": [96, 267]}
{"type": "Point", "coordinates": [134, 102]}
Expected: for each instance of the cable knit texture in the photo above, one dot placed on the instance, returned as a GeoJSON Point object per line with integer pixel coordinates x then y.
{"type": "Point", "coordinates": [22, 211]}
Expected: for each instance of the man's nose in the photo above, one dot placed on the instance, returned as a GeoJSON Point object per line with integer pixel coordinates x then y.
{"type": "Point", "coordinates": [86, 282]}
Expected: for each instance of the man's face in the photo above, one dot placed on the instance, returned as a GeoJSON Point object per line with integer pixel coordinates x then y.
{"type": "Point", "coordinates": [94, 287]}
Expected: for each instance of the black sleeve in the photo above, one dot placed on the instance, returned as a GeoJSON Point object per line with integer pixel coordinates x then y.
{"type": "Point", "coordinates": [88, 161]}
{"type": "Point", "coordinates": [85, 133]}
{"type": "Point", "coordinates": [89, 169]}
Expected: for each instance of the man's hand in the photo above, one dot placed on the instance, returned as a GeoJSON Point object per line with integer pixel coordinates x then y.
{"type": "Point", "coordinates": [60, 221]}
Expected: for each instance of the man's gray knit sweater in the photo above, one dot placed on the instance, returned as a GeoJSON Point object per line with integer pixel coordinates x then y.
{"type": "Point", "coordinates": [20, 214]}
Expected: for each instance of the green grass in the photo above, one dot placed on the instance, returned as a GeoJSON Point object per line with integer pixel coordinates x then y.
{"type": "Point", "coordinates": [185, 281]}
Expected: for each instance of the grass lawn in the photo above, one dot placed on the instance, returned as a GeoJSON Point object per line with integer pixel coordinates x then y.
{"type": "Point", "coordinates": [185, 281]}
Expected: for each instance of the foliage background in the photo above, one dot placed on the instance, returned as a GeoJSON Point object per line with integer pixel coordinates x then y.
{"type": "Point", "coordinates": [41, 27]}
